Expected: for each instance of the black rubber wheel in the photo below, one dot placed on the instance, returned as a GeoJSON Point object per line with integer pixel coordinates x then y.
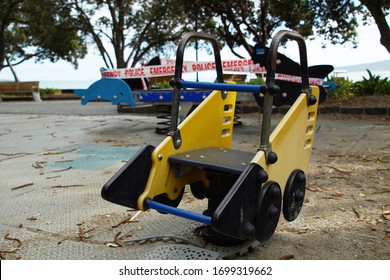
{"type": "Point", "coordinates": [268, 210]}
{"type": "Point", "coordinates": [294, 195]}
{"type": "Point", "coordinates": [198, 190]}
{"type": "Point", "coordinates": [163, 199]}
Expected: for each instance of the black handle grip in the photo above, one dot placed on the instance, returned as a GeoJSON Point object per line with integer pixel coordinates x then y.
{"type": "Point", "coordinates": [273, 52]}
{"type": "Point", "coordinates": [179, 71]}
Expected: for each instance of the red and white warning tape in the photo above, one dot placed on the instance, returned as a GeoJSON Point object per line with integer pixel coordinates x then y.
{"type": "Point", "coordinates": [168, 69]}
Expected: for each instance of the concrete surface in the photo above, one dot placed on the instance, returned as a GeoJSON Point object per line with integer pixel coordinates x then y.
{"type": "Point", "coordinates": [55, 157]}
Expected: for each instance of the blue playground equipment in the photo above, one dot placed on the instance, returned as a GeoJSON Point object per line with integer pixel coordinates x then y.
{"type": "Point", "coordinates": [115, 90]}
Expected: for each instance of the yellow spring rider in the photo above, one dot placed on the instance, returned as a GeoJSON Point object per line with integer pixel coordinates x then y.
{"type": "Point", "coordinates": [246, 191]}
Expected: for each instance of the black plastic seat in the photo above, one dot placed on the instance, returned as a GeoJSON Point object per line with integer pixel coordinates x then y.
{"type": "Point", "coordinates": [218, 159]}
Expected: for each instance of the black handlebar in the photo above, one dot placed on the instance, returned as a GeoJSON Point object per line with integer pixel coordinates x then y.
{"type": "Point", "coordinates": [273, 52]}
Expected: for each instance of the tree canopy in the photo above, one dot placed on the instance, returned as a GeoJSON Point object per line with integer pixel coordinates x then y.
{"type": "Point", "coordinates": [136, 30]}
{"type": "Point", "coordinates": [246, 22]}
{"type": "Point", "coordinates": [126, 32]}
{"type": "Point", "coordinates": [40, 29]}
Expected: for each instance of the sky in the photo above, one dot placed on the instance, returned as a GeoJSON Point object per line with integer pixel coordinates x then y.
{"type": "Point", "coordinates": [369, 50]}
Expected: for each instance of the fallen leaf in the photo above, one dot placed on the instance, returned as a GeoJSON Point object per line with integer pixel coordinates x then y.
{"type": "Point", "coordinates": [337, 194]}
{"type": "Point", "coordinates": [296, 230]}
{"type": "Point", "coordinates": [60, 170]}
{"type": "Point", "coordinates": [309, 204]}
{"type": "Point", "coordinates": [386, 214]}
{"type": "Point", "coordinates": [383, 159]}
{"type": "Point", "coordinates": [358, 214]}
{"type": "Point", "coordinates": [37, 165]}
{"type": "Point", "coordinates": [287, 257]}
{"type": "Point", "coordinates": [340, 155]}
{"type": "Point", "coordinates": [313, 189]}
{"type": "Point", "coordinates": [113, 245]}
{"type": "Point", "coordinates": [57, 153]}
{"type": "Point", "coordinates": [373, 222]}
{"type": "Point", "coordinates": [380, 192]}
{"type": "Point", "coordinates": [339, 170]}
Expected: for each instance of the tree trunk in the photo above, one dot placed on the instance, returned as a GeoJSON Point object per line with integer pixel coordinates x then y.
{"type": "Point", "coordinates": [12, 69]}
{"type": "Point", "coordinates": [374, 7]}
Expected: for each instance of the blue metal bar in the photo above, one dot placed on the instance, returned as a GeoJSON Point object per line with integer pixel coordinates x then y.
{"type": "Point", "coordinates": [178, 212]}
{"type": "Point", "coordinates": [220, 86]}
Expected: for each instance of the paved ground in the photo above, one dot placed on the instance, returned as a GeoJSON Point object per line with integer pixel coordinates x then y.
{"type": "Point", "coordinates": [55, 157]}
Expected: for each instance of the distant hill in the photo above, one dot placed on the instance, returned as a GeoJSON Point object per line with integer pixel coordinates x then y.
{"type": "Point", "coordinates": [374, 66]}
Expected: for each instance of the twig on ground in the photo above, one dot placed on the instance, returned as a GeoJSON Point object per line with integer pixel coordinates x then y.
{"type": "Point", "coordinates": [82, 233]}
{"type": "Point", "coordinates": [62, 161]}
{"type": "Point", "coordinates": [128, 220]}
{"type": "Point", "coordinates": [60, 170]}
{"type": "Point", "coordinates": [52, 177]}
{"type": "Point", "coordinates": [22, 186]}
{"type": "Point", "coordinates": [14, 239]}
{"type": "Point", "coordinates": [116, 241]}
{"type": "Point", "coordinates": [65, 186]}
{"type": "Point", "coordinates": [58, 153]}
{"type": "Point", "coordinates": [12, 250]}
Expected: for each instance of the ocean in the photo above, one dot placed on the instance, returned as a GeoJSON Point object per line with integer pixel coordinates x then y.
{"type": "Point", "coordinates": [68, 84]}
{"type": "Point", "coordinates": [358, 75]}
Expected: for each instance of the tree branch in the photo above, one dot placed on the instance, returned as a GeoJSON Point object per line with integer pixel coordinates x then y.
{"type": "Point", "coordinates": [374, 7]}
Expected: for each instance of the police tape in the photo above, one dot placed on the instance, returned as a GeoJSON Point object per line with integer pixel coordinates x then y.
{"type": "Point", "coordinates": [168, 69]}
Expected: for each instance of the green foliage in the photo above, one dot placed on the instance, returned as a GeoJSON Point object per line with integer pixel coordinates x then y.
{"type": "Point", "coordinates": [373, 85]}
{"type": "Point", "coordinates": [162, 85]}
{"type": "Point", "coordinates": [49, 91]}
{"type": "Point", "coordinates": [246, 22]}
{"type": "Point", "coordinates": [343, 89]}
{"type": "Point", "coordinates": [257, 81]}
{"type": "Point", "coordinates": [40, 29]}
{"type": "Point", "coordinates": [137, 30]}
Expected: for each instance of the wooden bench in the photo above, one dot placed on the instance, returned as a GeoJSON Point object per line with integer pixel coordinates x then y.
{"type": "Point", "coordinates": [21, 88]}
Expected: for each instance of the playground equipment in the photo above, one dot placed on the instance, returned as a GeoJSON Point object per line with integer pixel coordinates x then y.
{"type": "Point", "coordinates": [246, 191]}
{"type": "Point", "coordinates": [288, 72]}
{"type": "Point", "coordinates": [132, 85]}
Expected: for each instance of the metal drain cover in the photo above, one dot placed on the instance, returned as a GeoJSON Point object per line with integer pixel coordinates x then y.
{"type": "Point", "coordinates": [180, 252]}
{"type": "Point", "coordinates": [188, 244]}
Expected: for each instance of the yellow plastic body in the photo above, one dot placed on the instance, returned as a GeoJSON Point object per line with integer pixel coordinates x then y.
{"type": "Point", "coordinates": [209, 125]}
{"type": "Point", "coordinates": [292, 140]}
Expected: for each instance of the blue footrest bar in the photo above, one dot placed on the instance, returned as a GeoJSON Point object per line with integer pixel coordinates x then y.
{"type": "Point", "coordinates": [178, 212]}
